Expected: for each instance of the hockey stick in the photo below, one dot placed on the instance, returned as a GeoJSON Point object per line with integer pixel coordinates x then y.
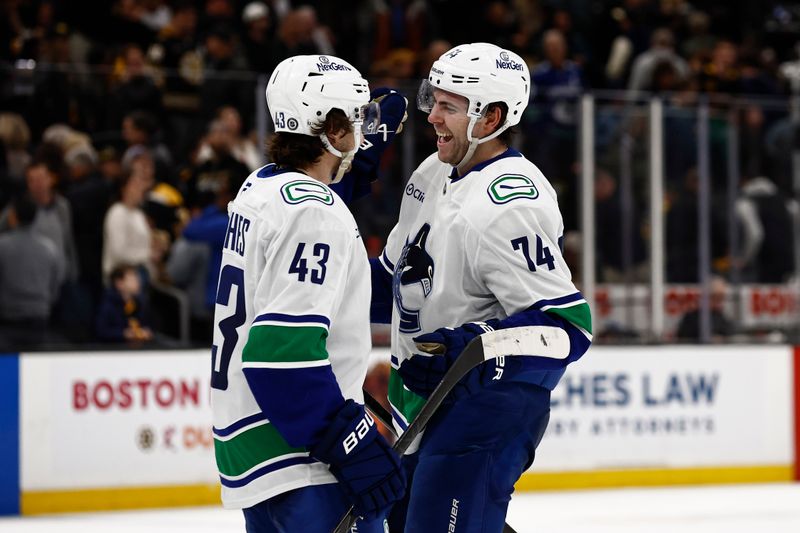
{"type": "Point", "coordinates": [543, 341]}
{"type": "Point", "coordinates": [379, 412]}
{"type": "Point", "coordinates": [385, 418]}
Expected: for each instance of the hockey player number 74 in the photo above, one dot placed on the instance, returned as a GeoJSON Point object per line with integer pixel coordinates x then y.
{"type": "Point", "coordinates": [231, 278]}
{"type": "Point", "coordinates": [539, 341]}
{"type": "Point", "coordinates": [543, 255]}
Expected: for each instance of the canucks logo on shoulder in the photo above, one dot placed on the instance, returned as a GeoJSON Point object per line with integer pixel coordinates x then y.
{"type": "Point", "coordinates": [299, 191]}
{"type": "Point", "coordinates": [509, 187]}
{"type": "Point", "coordinates": [413, 280]}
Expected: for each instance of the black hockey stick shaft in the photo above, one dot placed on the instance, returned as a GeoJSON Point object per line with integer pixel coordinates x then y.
{"type": "Point", "coordinates": [385, 418]}
{"type": "Point", "coordinates": [379, 411]}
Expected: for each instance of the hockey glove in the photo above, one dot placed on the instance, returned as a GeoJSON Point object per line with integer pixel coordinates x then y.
{"type": "Point", "coordinates": [364, 170]}
{"type": "Point", "coordinates": [422, 373]}
{"type": "Point", "coordinates": [367, 468]}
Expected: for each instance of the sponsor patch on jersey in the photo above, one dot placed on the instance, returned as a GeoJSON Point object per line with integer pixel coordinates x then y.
{"type": "Point", "coordinates": [509, 187]}
{"type": "Point", "coordinates": [299, 191]}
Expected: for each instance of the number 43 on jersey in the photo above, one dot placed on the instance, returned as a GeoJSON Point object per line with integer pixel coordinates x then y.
{"type": "Point", "coordinates": [320, 251]}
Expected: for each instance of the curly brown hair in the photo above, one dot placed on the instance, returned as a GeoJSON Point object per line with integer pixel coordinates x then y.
{"type": "Point", "coordinates": [295, 150]}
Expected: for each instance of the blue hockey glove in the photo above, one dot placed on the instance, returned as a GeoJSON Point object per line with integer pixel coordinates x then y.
{"type": "Point", "coordinates": [367, 468]}
{"type": "Point", "coordinates": [364, 167]}
{"type": "Point", "coordinates": [422, 373]}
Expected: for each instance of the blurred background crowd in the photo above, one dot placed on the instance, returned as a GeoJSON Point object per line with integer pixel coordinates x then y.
{"type": "Point", "coordinates": [126, 127]}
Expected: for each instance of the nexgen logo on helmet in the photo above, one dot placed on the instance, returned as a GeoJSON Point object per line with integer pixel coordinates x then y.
{"type": "Point", "coordinates": [326, 64]}
{"type": "Point", "coordinates": [302, 90]}
{"type": "Point", "coordinates": [506, 62]}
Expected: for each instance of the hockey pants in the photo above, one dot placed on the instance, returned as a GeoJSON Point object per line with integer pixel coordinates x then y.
{"type": "Point", "coordinates": [471, 454]}
{"type": "Point", "coordinates": [315, 509]}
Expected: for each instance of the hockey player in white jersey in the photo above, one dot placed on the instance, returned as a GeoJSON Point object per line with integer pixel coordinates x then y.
{"type": "Point", "coordinates": [477, 248]}
{"type": "Point", "coordinates": [293, 444]}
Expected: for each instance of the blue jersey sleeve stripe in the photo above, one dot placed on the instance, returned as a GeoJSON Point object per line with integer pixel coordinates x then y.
{"type": "Point", "coordinates": [266, 469]}
{"type": "Point", "coordinates": [576, 297]}
{"type": "Point", "coordinates": [386, 263]}
{"type": "Point", "coordinates": [298, 402]}
{"type": "Point", "coordinates": [380, 308]}
{"type": "Point", "coordinates": [239, 424]}
{"type": "Point", "coordinates": [398, 418]}
{"type": "Point", "coordinates": [293, 319]}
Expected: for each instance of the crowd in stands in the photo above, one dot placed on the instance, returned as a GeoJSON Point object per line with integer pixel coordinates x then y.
{"type": "Point", "coordinates": [127, 126]}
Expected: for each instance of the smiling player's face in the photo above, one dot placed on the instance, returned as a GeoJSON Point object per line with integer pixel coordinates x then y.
{"type": "Point", "coordinates": [449, 118]}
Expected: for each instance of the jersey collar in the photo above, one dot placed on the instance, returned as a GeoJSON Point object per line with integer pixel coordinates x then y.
{"type": "Point", "coordinates": [510, 152]}
{"type": "Point", "coordinates": [272, 170]}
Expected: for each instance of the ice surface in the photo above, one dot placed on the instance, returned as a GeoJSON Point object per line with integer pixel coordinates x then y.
{"type": "Point", "coordinates": [773, 508]}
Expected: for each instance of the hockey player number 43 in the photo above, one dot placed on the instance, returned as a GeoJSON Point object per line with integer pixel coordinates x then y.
{"type": "Point", "coordinates": [543, 255]}
{"type": "Point", "coordinates": [299, 264]}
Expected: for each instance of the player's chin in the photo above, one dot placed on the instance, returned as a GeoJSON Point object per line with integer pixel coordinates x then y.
{"type": "Point", "coordinates": [446, 154]}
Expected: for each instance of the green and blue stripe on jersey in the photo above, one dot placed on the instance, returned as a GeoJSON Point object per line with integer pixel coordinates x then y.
{"type": "Point", "coordinates": [570, 313]}
{"type": "Point", "coordinates": [572, 308]}
{"type": "Point", "coordinates": [251, 448]}
{"type": "Point", "coordinates": [405, 404]}
{"type": "Point", "coordinates": [284, 354]}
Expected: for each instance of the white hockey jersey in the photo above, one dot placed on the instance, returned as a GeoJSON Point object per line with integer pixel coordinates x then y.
{"type": "Point", "coordinates": [293, 297]}
{"type": "Point", "coordinates": [472, 248]}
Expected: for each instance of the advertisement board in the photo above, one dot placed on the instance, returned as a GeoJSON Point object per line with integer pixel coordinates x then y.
{"type": "Point", "coordinates": [115, 419]}
{"type": "Point", "coordinates": [672, 407]}
{"type": "Point", "coordinates": [132, 429]}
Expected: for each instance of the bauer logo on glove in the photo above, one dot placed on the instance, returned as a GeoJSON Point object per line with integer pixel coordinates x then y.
{"type": "Point", "coordinates": [351, 441]}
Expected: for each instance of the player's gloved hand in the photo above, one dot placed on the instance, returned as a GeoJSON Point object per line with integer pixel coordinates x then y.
{"type": "Point", "coordinates": [422, 373]}
{"type": "Point", "coordinates": [364, 167]}
{"type": "Point", "coordinates": [391, 107]}
{"type": "Point", "coordinates": [367, 468]}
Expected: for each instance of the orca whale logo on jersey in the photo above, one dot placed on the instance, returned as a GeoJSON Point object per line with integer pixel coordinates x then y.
{"type": "Point", "coordinates": [413, 280]}
{"type": "Point", "coordinates": [509, 187]}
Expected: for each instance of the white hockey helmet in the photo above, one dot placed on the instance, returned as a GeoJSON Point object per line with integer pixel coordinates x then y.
{"type": "Point", "coordinates": [484, 74]}
{"type": "Point", "coordinates": [303, 89]}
